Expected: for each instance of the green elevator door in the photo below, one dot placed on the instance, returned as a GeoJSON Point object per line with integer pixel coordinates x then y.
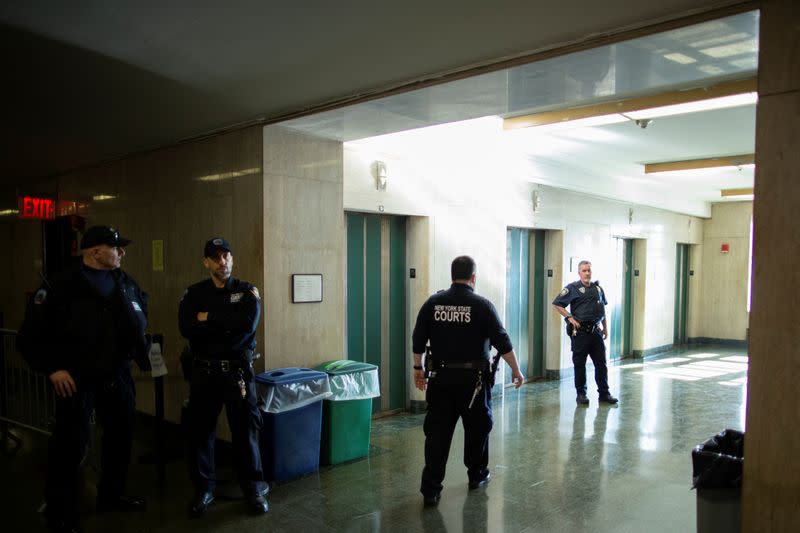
{"type": "Point", "coordinates": [376, 303]}
{"type": "Point", "coordinates": [620, 298]}
{"type": "Point", "coordinates": [681, 292]}
{"type": "Point", "coordinates": [525, 299]}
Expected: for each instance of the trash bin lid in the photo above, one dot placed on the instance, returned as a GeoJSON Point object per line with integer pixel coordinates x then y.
{"type": "Point", "coordinates": [283, 376]}
{"type": "Point", "coordinates": [344, 366]}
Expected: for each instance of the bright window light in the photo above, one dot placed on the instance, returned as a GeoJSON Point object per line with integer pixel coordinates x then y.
{"type": "Point", "coordinates": [747, 46]}
{"type": "Point", "coordinates": [692, 107]}
{"type": "Point", "coordinates": [736, 359]}
{"type": "Point", "coordinates": [710, 69]}
{"type": "Point", "coordinates": [683, 59]}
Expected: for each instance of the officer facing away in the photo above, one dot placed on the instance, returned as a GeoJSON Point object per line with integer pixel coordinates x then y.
{"type": "Point", "coordinates": [586, 302]}
{"type": "Point", "coordinates": [81, 329]}
{"type": "Point", "coordinates": [460, 327]}
{"type": "Point", "coordinates": [219, 317]}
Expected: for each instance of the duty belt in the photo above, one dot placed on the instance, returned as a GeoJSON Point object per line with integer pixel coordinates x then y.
{"type": "Point", "coordinates": [588, 327]}
{"type": "Point", "coordinates": [219, 365]}
{"type": "Point", "coordinates": [463, 365]}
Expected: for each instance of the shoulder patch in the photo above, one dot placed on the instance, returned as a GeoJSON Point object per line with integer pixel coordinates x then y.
{"type": "Point", "coordinates": [564, 291]}
{"type": "Point", "coordinates": [40, 296]}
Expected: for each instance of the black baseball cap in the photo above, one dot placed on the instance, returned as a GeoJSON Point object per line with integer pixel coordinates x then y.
{"type": "Point", "coordinates": [214, 245]}
{"type": "Point", "coordinates": [97, 235]}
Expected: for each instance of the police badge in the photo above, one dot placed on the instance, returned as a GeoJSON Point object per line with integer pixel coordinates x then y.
{"type": "Point", "coordinates": [582, 290]}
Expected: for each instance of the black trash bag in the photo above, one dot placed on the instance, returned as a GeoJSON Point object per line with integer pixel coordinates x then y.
{"type": "Point", "coordinates": [718, 462]}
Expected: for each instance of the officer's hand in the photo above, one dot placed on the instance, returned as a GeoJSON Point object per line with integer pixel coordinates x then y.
{"type": "Point", "coordinates": [574, 322]}
{"type": "Point", "coordinates": [419, 380]}
{"type": "Point", "coordinates": [605, 334]}
{"type": "Point", "coordinates": [202, 316]}
{"type": "Point", "coordinates": [517, 379]}
{"type": "Point", "coordinates": [63, 383]}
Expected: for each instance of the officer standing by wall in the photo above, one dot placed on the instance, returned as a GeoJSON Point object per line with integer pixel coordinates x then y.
{"type": "Point", "coordinates": [461, 327]}
{"type": "Point", "coordinates": [219, 317]}
{"type": "Point", "coordinates": [81, 329]}
{"type": "Point", "coordinates": [586, 302]}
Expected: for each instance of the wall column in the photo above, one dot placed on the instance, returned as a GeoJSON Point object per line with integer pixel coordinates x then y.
{"type": "Point", "coordinates": [771, 493]}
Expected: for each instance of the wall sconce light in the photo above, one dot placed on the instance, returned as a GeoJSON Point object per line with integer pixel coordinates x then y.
{"type": "Point", "coordinates": [379, 172]}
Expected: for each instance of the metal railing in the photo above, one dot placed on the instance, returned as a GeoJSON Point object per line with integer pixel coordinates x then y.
{"type": "Point", "coordinates": [26, 398]}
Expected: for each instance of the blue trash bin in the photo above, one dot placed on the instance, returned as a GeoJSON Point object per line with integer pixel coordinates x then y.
{"type": "Point", "coordinates": [291, 401]}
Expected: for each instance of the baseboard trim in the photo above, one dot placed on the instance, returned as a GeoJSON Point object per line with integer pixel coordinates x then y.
{"type": "Point", "coordinates": [417, 406]}
{"type": "Point", "coordinates": [649, 352]}
{"type": "Point", "coordinates": [729, 343]}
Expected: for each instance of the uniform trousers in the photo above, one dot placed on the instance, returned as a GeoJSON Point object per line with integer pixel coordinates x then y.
{"type": "Point", "coordinates": [446, 404]}
{"type": "Point", "coordinates": [209, 391]}
{"type": "Point", "coordinates": [590, 344]}
{"type": "Point", "coordinates": [113, 399]}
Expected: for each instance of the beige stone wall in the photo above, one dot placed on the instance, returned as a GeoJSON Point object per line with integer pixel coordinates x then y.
{"type": "Point", "coordinates": [723, 312]}
{"type": "Point", "coordinates": [303, 234]}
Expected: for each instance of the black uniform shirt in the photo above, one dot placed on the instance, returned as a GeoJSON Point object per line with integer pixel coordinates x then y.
{"type": "Point", "coordinates": [587, 304]}
{"type": "Point", "coordinates": [69, 325]}
{"type": "Point", "coordinates": [233, 314]}
{"type": "Point", "coordinates": [460, 325]}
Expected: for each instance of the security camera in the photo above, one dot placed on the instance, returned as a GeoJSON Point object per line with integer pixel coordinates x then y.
{"type": "Point", "coordinates": [643, 123]}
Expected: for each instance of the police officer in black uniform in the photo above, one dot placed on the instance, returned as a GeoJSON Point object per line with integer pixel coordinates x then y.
{"type": "Point", "coordinates": [461, 327]}
{"type": "Point", "coordinates": [81, 329]}
{"type": "Point", "coordinates": [219, 317]}
{"type": "Point", "coordinates": [586, 302]}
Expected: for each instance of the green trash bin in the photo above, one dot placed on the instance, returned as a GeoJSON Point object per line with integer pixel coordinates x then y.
{"type": "Point", "coordinates": [347, 413]}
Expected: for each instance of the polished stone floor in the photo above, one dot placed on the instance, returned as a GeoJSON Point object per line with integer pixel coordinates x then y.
{"type": "Point", "coordinates": [556, 467]}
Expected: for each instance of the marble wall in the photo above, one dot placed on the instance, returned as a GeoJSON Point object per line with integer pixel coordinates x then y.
{"type": "Point", "coordinates": [303, 234]}
{"type": "Point", "coordinates": [181, 196]}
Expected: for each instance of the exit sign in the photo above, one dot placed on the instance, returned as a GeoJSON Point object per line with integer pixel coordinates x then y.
{"type": "Point", "coordinates": [38, 208]}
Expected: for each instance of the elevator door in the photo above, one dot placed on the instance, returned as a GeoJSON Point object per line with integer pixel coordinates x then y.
{"type": "Point", "coordinates": [525, 299]}
{"type": "Point", "coordinates": [376, 306]}
{"type": "Point", "coordinates": [681, 292]}
{"type": "Point", "coordinates": [619, 295]}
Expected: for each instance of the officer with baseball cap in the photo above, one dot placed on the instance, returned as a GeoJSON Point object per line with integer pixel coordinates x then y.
{"type": "Point", "coordinates": [81, 329]}
{"type": "Point", "coordinates": [219, 317]}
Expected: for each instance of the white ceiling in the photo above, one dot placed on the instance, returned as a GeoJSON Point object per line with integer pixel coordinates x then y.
{"type": "Point", "coordinates": [605, 161]}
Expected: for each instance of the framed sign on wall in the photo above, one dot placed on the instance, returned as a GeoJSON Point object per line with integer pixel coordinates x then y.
{"type": "Point", "coordinates": [306, 288]}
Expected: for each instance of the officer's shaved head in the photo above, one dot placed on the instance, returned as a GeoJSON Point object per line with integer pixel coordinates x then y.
{"type": "Point", "coordinates": [462, 267]}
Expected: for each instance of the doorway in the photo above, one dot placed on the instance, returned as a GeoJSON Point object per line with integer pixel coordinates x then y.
{"type": "Point", "coordinates": [621, 299]}
{"type": "Point", "coordinates": [681, 293]}
{"type": "Point", "coordinates": [376, 301]}
{"type": "Point", "coordinates": [525, 299]}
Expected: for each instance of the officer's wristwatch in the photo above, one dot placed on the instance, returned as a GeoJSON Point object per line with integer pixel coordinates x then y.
{"type": "Point", "coordinates": [417, 367]}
